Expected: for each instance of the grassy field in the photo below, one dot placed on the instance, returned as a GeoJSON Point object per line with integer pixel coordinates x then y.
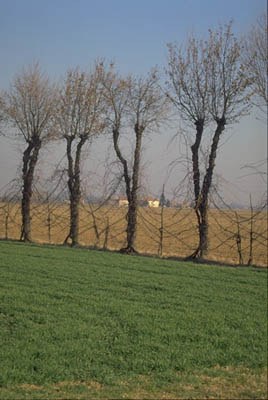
{"type": "Point", "coordinates": [81, 324]}
{"type": "Point", "coordinates": [105, 228]}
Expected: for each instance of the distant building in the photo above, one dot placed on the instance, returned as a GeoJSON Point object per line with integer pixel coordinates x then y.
{"type": "Point", "coordinates": [150, 202]}
{"type": "Point", "coordinates": [122, 202]}
{"type": "Point", "coordinates": [153, 203]}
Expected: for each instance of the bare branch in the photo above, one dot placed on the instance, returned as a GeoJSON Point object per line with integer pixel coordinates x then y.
{"type": "Point", "coordinates": [255, 58]}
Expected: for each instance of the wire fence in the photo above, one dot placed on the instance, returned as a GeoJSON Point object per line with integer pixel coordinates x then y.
{"type": "Point", "coordinates": [235, 236]}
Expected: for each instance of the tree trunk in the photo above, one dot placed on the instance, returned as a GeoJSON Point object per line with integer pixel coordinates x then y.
{"type": "Point", "coordinates": [195, 159]}
{"type": "Point", "coordinates": [131, 228]}
{"type": "Point", "coordinates": [202, 205]}
{"type": "Point", "coordinates": [203, 232]}
{"type": "Point", "coordinates": [133, 198]}
{"type": "Point", "coordinates": [74, 218]}
{"type": "Point", "coordinates": [30, 157]}
{"type": "Point", "coordinates": [131, 189]}
{"type": "Point", "coordinates": [196, 178]}
{"type": "Point", "coordinates": [74, 190]}
{"type": "Point", "coordinates": [130, 214]}
{"type": "Point", "coordinates": [123, 162]}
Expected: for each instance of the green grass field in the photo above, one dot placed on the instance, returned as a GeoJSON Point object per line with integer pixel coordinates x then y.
{"type": "Point", "coordinates": [79, 324]}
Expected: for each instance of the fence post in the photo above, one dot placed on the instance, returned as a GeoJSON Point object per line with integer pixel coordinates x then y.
{"type": "Point", "coordinates": [239, 240]}
{"type": "Point", "coordinates": [107, 231]}
{"type": "Point", "coordinates": [6, 222]}
{"type": "Point", "coordinates": [251, 233]}
{"type": "Point", "coordinates": [161, 232]}
{"type": "Point", "coordinates": [48, 219]}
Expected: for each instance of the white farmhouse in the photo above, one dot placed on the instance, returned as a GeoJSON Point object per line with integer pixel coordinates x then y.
{"type": "Point", "coordinates": [153, 203]}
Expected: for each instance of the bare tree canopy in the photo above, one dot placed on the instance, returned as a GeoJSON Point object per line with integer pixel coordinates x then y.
{"type": "Point", "coordinates": [79, 118]}
{"type": "Point", "coordinates": [29, 104]}
{"type": "Point", "coordinates": [255, 59]}
{"type": "Point", "coordinates": [206, 79]}
{"type": "Point", "coordinates": [80, 108]}
{"type": "Point", "coordinates": [228, 85]}
{"type": "Point", "coordinates": [188, 76]}
{"type": "Point", "coordinates": [148, 107]}
{"type": "Point", "coordinates": [28, 108]}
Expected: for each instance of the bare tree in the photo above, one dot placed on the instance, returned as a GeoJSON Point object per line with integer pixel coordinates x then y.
{"type": "Point", "coordinates": [136, 105]}
{"type": "Point", "coordinates": [207, 86]}
{"type": "Point", "coordinates": [255, 57]}
{"type": "Point", "coordinates": [27, 109]}
{"type": "Point", "coordinates": [79, 119]}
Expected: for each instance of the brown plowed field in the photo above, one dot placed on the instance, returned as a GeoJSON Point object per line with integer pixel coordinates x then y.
{"type": "Point", "coordinates": [104, 227]}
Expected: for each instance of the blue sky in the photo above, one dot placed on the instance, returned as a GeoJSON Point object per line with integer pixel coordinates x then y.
{"type": "Point", "coordinates": [133, 33]}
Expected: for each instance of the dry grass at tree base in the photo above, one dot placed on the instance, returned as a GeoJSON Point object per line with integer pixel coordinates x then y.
{"type": "Point", "coordinates": [167, 232]}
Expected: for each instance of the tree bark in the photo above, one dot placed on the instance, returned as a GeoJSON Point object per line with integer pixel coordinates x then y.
{"type": "Point", "coordinates": [196, 177]}
{"type": "Point", "coordinates": [133, 204]}
{"type": "Point", "coordinates": [30, 157]}
{"type": "Point", "coordinates": [74, 186]}
{"type": "Point", "coordinates": [195, 158]}
{"type": "Point", "coordinates": [123, 162]}
{"type": "Point", "coordinates": [203, 204]}
{"type": "Point", "coordinates": [203, 231]}
{"type": "Point", "coordinates": [201, 195]}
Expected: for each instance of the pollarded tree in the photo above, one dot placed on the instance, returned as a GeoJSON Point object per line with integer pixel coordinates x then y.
{"type": "Point", "coordinates": [188, 90]}
{"type": "Point", "coordinates": [208, 86]}
{"type": "Point", "coordinates": [79, 119]}
{"type": "Point", "coordinates": [136, 105]}
{"type": "Point", "coordinates": [28, 109]}
{"type": "Point", "coordinates": [228, 103]}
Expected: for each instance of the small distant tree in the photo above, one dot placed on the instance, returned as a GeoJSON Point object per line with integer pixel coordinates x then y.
{"type": "Point", "coordinates": [136, 105]}
{"type": "Point", "coordinates": [79, 119]}
{"type": "Point", "coordinates": [208, 87]}
{"type": "Point", "coordinates": [27, 110]}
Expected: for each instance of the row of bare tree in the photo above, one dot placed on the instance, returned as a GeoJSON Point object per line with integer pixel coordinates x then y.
{"type": "Point", "coordinates": [210, 84]}
{"type": "Point", "coordinates": [235, 236]}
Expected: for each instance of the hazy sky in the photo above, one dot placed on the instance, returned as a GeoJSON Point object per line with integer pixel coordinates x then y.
{"type": "Point", "coordinates": [65, 33]}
